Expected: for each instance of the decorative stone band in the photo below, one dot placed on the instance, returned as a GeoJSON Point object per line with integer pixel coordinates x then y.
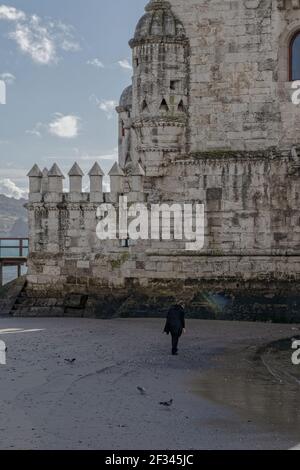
{"type": "Point", "coordinates": [160, 148]}
{"type": "Point", "coordinates": [41, 208]}
{"type": "Point", "coordinates": [285, 4]}
{"type": "Point", "coordinates": [159, 40]}
{"type": "Point", "coordinates": [167, 122]}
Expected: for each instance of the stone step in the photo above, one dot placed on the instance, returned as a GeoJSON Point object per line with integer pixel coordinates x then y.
{"type": "Point", "coordinates": [9, 295]}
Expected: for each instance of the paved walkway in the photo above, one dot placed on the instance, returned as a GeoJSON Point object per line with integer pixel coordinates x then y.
{"type": "Point", "coordinates": [93, 403]}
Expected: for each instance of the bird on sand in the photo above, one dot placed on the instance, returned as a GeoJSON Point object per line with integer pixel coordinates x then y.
{"type": "Point", "coordinates": [166, 403]}
{"type": "Point", "coordinates": [70, 361]}
{"type": "Point", "coordinates": [142, 390]}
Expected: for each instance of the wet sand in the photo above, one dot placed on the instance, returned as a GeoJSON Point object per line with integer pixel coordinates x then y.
{"type": "Point", "coordinates": [93, 403]}
{"type": "Point", "coordinates": [260, 384]}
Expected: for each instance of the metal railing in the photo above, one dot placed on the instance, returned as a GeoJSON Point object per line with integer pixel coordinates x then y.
{"type": "Point", "coordinates": [13, 252]}
{"type": "Point", "coordinates": [13, 248]}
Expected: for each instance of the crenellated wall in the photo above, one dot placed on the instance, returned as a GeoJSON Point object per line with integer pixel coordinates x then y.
{"type": "Point", "coordinates": [252, 225]}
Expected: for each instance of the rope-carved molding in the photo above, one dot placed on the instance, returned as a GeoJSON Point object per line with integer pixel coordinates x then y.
{"type": "Point", "coordinates": [286, 4]}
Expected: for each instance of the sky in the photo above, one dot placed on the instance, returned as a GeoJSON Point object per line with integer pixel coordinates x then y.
{"type": "Point", "coordinates": [65, 64]}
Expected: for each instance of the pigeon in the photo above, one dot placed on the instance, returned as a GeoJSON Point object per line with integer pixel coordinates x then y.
{"type": "Point", "coordinates": [142, 390]}
{"type": "Point", "coordinates": [70, 361]}
{"type": "Point", "coordinates": [166, 403]}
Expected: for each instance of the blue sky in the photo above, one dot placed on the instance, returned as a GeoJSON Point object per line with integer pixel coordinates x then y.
{"type": "Point", "coordinates": [65, 64]}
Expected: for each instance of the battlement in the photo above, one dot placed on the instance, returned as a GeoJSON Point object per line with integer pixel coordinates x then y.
{"type": "Point", "coordinates": [47, 186]}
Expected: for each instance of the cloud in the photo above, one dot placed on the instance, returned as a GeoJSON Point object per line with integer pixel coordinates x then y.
{"type": "Point", "coordinates": [34, 40]}
{"type": "Point", "coordinates": [39, 39]}
{"type": "Point", "coordinates": [63, 126]}
{"type": "Point", "coordinates": [107, 106]}
{"type": "Point", "coordinates": [11, 14]}
{"type": "Point", "coordinates": [10, 189]}
{"type": "Point", "coordinates": [37, 130]}
{"type": "Point", "coordinates": [96, 63]}
{"type": "Point", "coordinates": [125, 64]}
{"type": "Point", "coordinates": [8, 78]}
{"type": "Point", "coordinates": [66, 127]}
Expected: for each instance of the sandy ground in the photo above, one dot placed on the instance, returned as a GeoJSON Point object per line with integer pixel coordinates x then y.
{"type": "Point", "coordinates": [48, 403]}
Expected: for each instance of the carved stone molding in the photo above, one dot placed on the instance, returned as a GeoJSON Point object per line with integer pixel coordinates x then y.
{"type": "Point", "coordinates": [288, 4]}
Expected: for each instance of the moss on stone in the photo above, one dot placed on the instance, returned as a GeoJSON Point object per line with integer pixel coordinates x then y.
{"type": "Point", "coordinates": [117, 263]}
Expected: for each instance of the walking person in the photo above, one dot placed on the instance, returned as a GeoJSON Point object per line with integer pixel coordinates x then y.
{"type": "Point", "coordinates": [175, 324]}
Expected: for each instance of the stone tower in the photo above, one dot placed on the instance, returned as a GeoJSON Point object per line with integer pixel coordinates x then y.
{"type": "Point", "coordinates": [207, 119]}
{"type": "Point", "coordinates": [156, 106]}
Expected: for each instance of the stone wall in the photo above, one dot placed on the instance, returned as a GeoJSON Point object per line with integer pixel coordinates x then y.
{"type": "Point", "coordinates": [240, 89]}
{"type": "Point", "coordinates": [252, 227]}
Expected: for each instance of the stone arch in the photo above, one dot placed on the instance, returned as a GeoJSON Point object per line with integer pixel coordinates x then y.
{"type": "Point", "coordinates": [296, 37]}
{"type": "Point", "coordinates": [181, 107]}
{"type": "Point", "coordinates": [285, 40]}
{"type": "Point", "coordinates": [164, 106]}
{"type": "Point", "coordinates": [128, 159]}
{"type": "Point", "coordinates": [145, 108]}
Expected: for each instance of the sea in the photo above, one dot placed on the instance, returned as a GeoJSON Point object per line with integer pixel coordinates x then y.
{"type": "Point", "coordinates": [6, 249]}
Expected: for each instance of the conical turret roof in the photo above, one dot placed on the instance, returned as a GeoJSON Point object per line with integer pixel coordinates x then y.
{"type": "Point", "coordinates": [76, 170]}
{"type": "Point", "coordinates": [55, 171]}
{"type": "Point", "coordinates": [96, 170]}
{"type": "Point", "coordinates": [35, 172]}
{"type": "Point", "coordinates": [158, 22]}
{"type": "Point", "coordinates": [116, 170]}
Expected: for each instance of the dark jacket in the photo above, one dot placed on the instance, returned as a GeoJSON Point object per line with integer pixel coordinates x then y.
{"type": "Point", "coordinates": [175, 320]}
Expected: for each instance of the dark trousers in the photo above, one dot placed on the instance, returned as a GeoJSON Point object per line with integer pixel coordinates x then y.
{"type": "Point", "coordinates": [175, 339]}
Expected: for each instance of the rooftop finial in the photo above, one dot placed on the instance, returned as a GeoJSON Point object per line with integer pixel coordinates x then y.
{"type": "Point", "coordinates": [157, 5]}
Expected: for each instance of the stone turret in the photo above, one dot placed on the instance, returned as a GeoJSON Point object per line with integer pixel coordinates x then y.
{"type": "Point", "coordinates": [55, 179]}
{"type": "Point", "coordinates": [45, 181]}
{"type": "Point", "coordinates": [35, 180]}
{"type": "Point", "coordinates": [96, 183]}
{"type": "Point", "coordinates": [160, 84]}
{"type": "Point", "coordinates": [116, 175]}
{"type": "Point", "coordinates": [76, 175]}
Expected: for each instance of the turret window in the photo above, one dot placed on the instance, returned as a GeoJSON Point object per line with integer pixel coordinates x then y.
{"type": "Point", "coordinates": [295, 57]}
{"type": "Point", "coordinates": [164, 106]}
{"type": "Point", "coordinates": [174, 85]}
{"type": "Point", "coordinates": [181, 107]}
{"type": "Point", "coordinates": [145, 106]}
